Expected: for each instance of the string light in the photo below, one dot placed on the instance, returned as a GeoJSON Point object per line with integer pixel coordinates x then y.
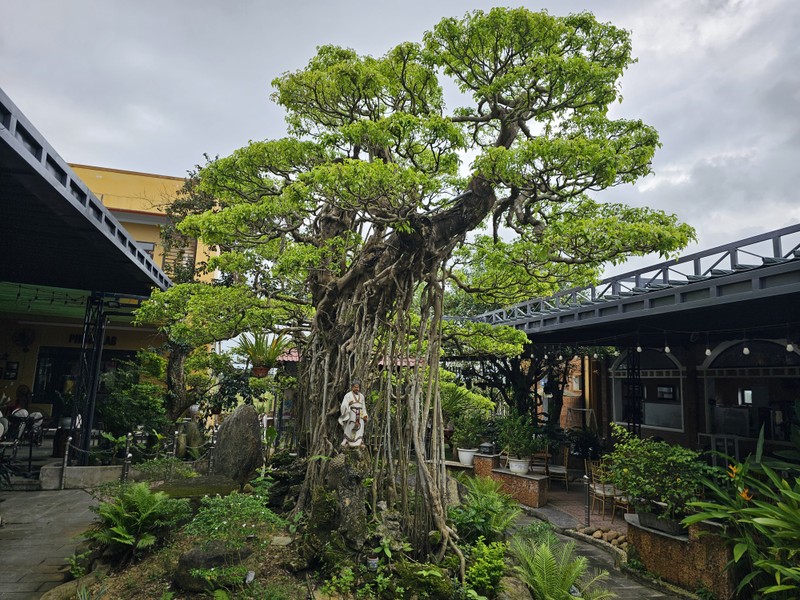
{"type": "Point", "coordinates": [708, 348]}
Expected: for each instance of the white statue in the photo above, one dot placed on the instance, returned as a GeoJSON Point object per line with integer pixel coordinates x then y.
{"type": "Point", "coordinates": [353, 416]}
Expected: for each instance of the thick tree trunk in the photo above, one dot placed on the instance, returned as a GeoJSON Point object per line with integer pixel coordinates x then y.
{"type": "Point", "coordinates": [177, 398]}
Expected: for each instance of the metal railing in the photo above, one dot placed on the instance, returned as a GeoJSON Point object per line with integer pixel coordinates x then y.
{"type": "Point", "coordinates": [767, 249]}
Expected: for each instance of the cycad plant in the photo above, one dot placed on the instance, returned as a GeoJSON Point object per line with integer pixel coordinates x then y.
{"type": "Point", "coordinates": [552, 572]}
{"type": "Point", "coordinates": [136, 519]}
{"type": "Point", "coordinates": [261, 349]}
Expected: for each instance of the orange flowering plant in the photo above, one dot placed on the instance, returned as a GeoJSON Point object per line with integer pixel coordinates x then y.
{"type": "Point", "coordinates": [758, 501]}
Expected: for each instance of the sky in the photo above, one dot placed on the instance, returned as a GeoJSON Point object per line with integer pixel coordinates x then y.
{"type": "Point", "coordinates": [153, 85]}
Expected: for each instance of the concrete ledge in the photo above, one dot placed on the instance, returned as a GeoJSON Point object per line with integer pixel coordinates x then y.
{"type": "Point", "coordinates": [77, 477]}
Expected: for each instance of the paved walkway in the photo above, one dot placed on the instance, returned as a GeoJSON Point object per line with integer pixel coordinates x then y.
{"type": "Point", "coordinates": [40, 530]}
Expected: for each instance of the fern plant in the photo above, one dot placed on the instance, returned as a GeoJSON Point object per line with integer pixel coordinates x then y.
{"type": "Point", "coordinates": [552, 571]}
{"type": "Point", "coordinates": [485, 511]}
{"type": "Point", "coordinates": [135, 520]}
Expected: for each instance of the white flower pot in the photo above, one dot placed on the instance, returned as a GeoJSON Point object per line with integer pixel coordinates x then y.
{"type": "Point", "coordinates": [519, 465]}
{"type": "Point", "coordinates": [466, 455]}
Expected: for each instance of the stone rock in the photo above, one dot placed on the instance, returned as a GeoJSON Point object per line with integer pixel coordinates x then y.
{"type": "Point", "coordinates": [611, 535]}
{"type": "Point", "coordinates": [216, 555]}
{"type": "Point", "coordinates": [281, 540]}
{"type": "Point", "coordinates": [345, 478]}
{"type": "Point", "coordinates": [588, 530]}
{"type": "Point", "coordinates": [622, 538]}
{"type": "Point", "coordinates": [512, 588]}
{"type": "Point", "coordinates": [605, 529]}
{"type": "Point", "coordinates": [238, 453]}
{"type": "Point", "coordinates": [597, 534]}
{"type": "Point", "coordinates": [615, 542]}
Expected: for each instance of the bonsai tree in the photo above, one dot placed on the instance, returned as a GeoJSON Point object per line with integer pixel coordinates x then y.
{"type": "Point", "coordinates": [518, 436]}
{"type": "Point", "coordinates": [655, 472]}
{"type": "Point", "coordinates": [261, 350]}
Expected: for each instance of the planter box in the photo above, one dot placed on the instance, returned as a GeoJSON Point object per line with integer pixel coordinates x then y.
{"type": "Point", "coordinates": [655, 521]}
{"type": "Point", "coordinates": [697, 559]}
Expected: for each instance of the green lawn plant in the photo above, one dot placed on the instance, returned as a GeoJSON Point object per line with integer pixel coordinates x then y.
{"type": "Point", "coordinates": [233, 519]}
{"type": "Point", "coordinates": [135, 521]}
{"type": "Point", "coordinates": [758, 501]}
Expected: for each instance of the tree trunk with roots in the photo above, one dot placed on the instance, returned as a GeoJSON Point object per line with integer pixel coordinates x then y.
{"type": "Point", "coordinates": [364, 330]}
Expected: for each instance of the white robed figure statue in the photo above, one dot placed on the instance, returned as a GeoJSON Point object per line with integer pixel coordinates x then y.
{"type": "Point", "coordinates": [353, 416]}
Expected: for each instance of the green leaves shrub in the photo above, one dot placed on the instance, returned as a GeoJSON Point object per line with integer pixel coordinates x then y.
{"type": "Point", "coordinates": [486, 567]}
{"type": "Point", "coordinates": [136, 520]}
{"type": "Point", "coordinates": [655, 471]}
{"type": "Point", "coordinates": [485, 512]}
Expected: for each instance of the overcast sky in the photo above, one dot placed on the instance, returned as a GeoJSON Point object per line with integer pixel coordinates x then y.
{"type": "Point", "coordinates": [152, 85]}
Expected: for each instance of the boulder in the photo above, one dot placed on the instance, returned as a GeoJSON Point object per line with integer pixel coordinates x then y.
{"type": "Point", "coordinates": [216, 555]}
{"type": "Point", "coordinates": [512, 588]}
{"type": "Point", "coordinates": [238, 453]}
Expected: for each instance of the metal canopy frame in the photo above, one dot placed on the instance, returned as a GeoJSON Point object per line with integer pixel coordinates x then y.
{"type": "Point", "coordinates": [57, 238]}
{"type": "Point", "coordinates": [756, 279]}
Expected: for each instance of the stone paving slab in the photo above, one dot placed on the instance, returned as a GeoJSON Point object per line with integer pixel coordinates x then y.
{"type": "Point", "coordinates": [41, 529]}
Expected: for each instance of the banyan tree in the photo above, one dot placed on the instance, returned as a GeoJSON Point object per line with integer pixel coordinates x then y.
{"type": "Point", "coordinates": [351, 228]}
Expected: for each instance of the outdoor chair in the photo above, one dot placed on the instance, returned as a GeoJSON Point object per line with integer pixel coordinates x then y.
{"type": "Point", "coordinates": [539, 463]}
{"type": "Point", "coordinates": [600, 488]}
{"type": "Point", "coordinates": [560, 472]}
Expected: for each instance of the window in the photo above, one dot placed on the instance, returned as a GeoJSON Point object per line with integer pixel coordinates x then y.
{"type": "Point", "coordinates": [745, 397]}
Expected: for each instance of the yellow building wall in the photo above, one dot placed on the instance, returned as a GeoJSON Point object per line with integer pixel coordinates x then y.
{"type": "Point", "coordinates": [137, 193]}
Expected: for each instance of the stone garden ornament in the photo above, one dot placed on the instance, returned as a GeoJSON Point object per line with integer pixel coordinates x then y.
{"type": "Point", "coordinates": [353, 416]}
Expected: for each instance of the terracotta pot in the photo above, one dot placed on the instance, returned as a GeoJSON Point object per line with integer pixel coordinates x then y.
{"type": "Point", "coordinates": [259, 371]}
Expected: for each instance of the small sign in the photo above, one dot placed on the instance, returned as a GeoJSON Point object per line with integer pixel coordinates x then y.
{"type": "Point", "coordinates": [11, 371]}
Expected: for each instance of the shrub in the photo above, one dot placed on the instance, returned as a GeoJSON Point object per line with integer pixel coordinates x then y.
{"type": "Point", "coordinates": [487, 566]}
{"type": "Point", "coordinates": [135, 520]}
{"type": "Point", "coordinates": [518, 436]}
{"type": "Point", "coordinates": [469, 429]}
{"type": "Point", "coordinates": [656, 471]}
{"type": "Point", "coordinates": [485, 511]}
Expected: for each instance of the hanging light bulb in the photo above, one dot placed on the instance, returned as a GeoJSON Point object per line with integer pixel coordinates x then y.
{"type": "Point", "coordinates": [545, 356]}
{"type": "Point", "coordinates": [576, 357]}
{"type": "Point", "coordinates": [745, 350]}
{"type": "Point", "coordinates": [790, 347]}
{"type": "Point", "coordinates": [616, 351]}
{"type": "Point", "coordinates": [560, 357]}
{"type": "Point", "coordinates": [594, 355]}
{"type": "Point", "coordinates": [708, 351]}
{"type": "Point", "coordinates": [638, 348]}
{"type": "Point", "coordinates": [666, 349]}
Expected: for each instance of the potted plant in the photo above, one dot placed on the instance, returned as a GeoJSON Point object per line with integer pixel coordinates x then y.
{"type": "Point", "coordinates": [519, 439]}
{"type": "Point", "coordinates": [468, 433]}
{"type": "Point", "coordinates": [261, 351]}
{"type": "Point", "coordinates": [660, 479]}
